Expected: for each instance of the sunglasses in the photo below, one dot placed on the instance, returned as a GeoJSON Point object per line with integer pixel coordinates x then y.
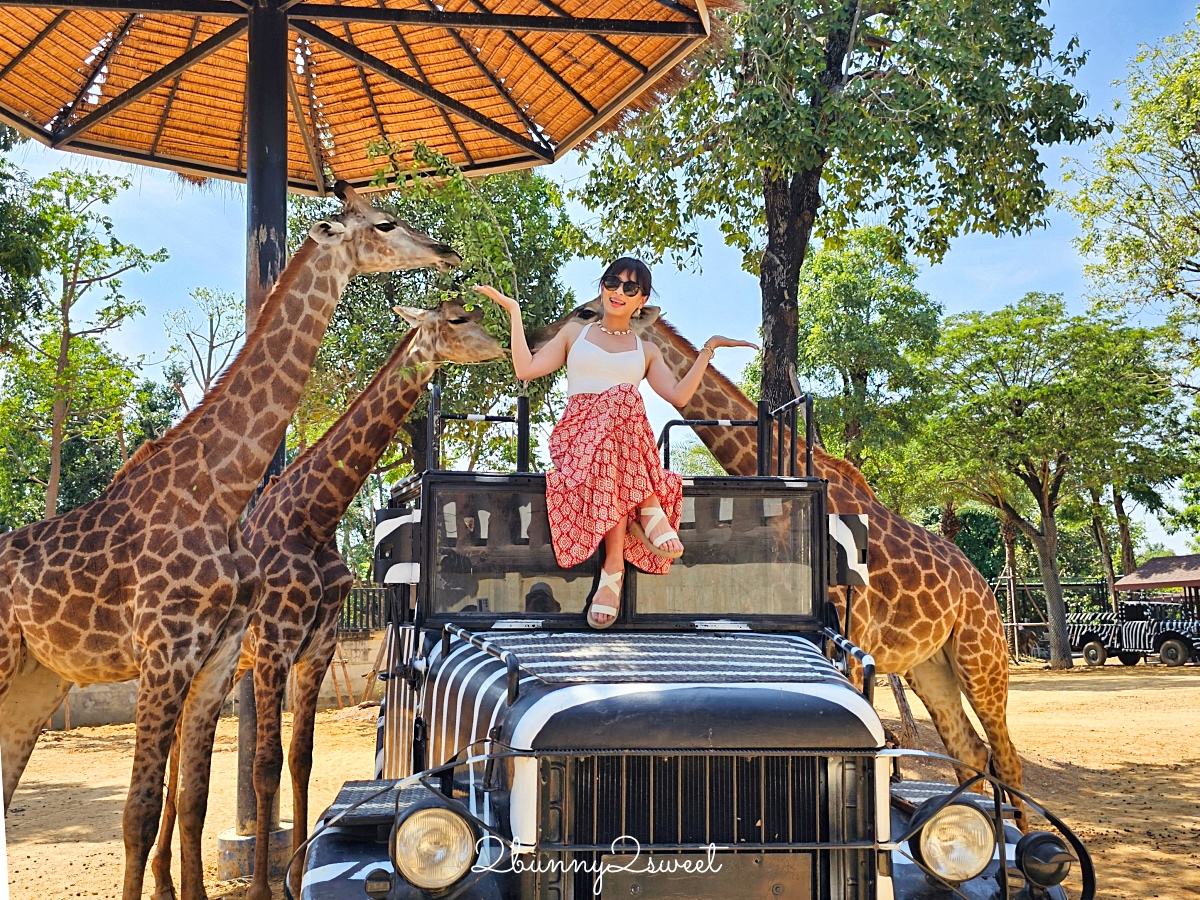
{"type": "Point", "coordinates": [629, 288]}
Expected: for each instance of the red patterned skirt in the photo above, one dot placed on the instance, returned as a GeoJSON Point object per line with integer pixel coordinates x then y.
{"type": "Point", "coordinates": [605, 466]}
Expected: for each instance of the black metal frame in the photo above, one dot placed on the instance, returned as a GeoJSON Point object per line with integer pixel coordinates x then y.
{"type": "Point", "coordinates": [847, 649]}
{"type": "Point", "coordinates": [769, 422]}
{"type": "Point", "coordinates": [418, 491]}
{"type": "Point", "coordinates": [435, 417]}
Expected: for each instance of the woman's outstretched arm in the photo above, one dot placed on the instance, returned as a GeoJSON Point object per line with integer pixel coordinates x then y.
{"type": "Point", "coordinates": [526, 364]}
{"type": "Point", "coordinates": [678, 393]}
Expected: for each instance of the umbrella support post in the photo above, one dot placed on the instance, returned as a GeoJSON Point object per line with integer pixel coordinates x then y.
{"type": "Point", "coordinates": [266, 251]}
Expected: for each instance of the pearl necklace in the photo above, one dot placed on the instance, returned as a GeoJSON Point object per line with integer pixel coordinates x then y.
{"type": "Point", "coordinates": [615, 333]}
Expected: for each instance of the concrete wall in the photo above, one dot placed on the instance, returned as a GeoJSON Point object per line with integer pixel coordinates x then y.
{"type": "Point", "coordinates": [111, 704]}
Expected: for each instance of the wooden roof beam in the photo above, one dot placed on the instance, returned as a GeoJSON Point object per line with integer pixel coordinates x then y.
{"type": "Point", "coordinates": [32, 45]}
{"type": "Point", "coordinates": [548, 69]}
{"type": "Point", "coordinates": [425, 91]}
{"type": "Point", "coordinates": [458, 21]}
{"type": "Point", "coordinates": [174, 7]}
{"type": "Point", "coordinates": [98, 63]}
{"type": "Point", "coordinates": [151, 82]}
{"type": "Point", "coordinates": [309, 138]}
{"type": "Point", "coordinates": [416, 64]}
{"type": "Point", "coordinates": [530, 125]}
{"type": "Point", "coordinates": [166, 113]}
{"type": "Point", "coordinates": [601, 40]}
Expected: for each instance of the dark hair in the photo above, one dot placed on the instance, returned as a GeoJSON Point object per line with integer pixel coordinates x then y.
{"type": "Point", "coordinates": [641, 272]}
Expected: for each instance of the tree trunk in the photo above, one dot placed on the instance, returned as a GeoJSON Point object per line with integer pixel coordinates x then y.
{"type": "Point", "coordinates": [1101, 535]}
{"type": "Point", "coordinates": [856, 403]}
{"type": "Point", "coordinates": [416, 429]}
{"type": "Point", "coordinates": [1008, 534]}
{"type": "Point", "coordinates": [950, 524]}
{"type": "Point", "coordinates": [58, 412]}
{"type": "Point", "coordinates": [58, 416]}
{"type": "Point", "coordinates": [1046, 545]}
{"type": "Point", "coordinates": [907, 739]}
{"type": "Point", "coordinates": [1128, 560]}
{"type": "Point", "coordinates": [791, 203]}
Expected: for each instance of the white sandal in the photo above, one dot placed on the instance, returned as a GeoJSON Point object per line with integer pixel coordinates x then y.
{"type": "Point", "coordinates": [611, 580]}
{"type": "Point", "coordinates": [655, 515]}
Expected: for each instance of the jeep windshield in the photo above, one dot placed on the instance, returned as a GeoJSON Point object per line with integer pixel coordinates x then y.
{"type": "Point", "coordinates": [750, 554]}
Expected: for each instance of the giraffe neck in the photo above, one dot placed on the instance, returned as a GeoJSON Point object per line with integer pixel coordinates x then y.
{"type": "Point", "coordinates": [323, 482]}
{"type": "Point", "coordinates": [736, 449]}
{"type": "Point", "coordinates": [244, 417]}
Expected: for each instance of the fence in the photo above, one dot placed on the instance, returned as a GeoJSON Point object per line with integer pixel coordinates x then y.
{"type": "Point", "coordinates": [364, 610]}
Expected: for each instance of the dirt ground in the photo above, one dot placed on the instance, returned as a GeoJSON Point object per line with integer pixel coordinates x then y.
{"type": "Point", "coordinates": [1112, 751]}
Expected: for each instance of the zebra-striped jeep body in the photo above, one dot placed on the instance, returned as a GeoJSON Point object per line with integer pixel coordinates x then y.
{"type": "Point", "coordinates": [1138, 627]}
{"type": "Point", "coordinates": [707, 744]}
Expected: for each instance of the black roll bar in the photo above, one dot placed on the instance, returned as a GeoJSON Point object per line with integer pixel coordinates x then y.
{"type": "Point", "coordinates": [785, 419]}
{"type": "Point", "coordinates": [664, 438]}
{"type": "Point", "coordinates": [433, 442]}
{"type": "Point", "coordinates": [785, 416]}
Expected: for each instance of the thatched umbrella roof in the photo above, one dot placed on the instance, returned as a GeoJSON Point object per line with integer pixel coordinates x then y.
{"type": "Point", "coordinates": [492, 84]}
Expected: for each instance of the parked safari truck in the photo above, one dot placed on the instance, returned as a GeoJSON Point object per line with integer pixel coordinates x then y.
{"type": "Point", "coordinates": [709, 744]}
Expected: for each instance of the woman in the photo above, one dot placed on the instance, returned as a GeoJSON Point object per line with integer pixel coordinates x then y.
{"type": "Point", "coordinates": [606, 465]}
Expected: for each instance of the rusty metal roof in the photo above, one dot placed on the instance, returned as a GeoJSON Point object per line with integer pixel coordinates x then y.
{"type": "Point", "coordinates": [1163, 572]}
{"type": "Point", "coordinates": [491, 84]}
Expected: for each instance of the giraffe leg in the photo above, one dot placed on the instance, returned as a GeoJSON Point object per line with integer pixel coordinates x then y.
{"type": "Point", "coordinates": [160, 866]}
{"type": "Point", "coordinates": [33, 694]}
{"type": "Point", "coordinates": [983, 674]}
{"type": "Point", "coordinates": [270, 680]}
{"type": "Point", "coordinates": [310, 672]}
{"type": "Point", "coordinates": [936, 684]}
{"type": "Point", "coordinates": [198, 727]}
{"type": "Point", "coordinates": [162, 689]}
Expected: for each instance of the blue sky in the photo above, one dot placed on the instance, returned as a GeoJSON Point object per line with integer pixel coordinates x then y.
{"type": "Point", "coordinates": [203, 229]}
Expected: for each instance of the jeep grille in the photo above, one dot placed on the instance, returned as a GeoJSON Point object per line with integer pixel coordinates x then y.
{"type": "Point", "coordinates": [669, 801]}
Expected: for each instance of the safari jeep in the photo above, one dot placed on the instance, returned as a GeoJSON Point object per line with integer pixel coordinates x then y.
{"type": "Point", "coordinates": [709, 744]}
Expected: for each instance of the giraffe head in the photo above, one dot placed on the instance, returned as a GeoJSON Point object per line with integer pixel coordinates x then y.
{"type": "Point", "coordinates": [592, 312]}
{"type": "Point", "coordinates": [452, 333]}
{"type": "Point", "coordinates": [376, 241]}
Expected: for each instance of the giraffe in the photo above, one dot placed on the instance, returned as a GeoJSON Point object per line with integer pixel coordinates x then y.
{"type": "Point", "coordinates": [928, 613]}
{"type": "Point", "coordinates": [303, 580]}
{"type": "Point", "coordinates": [151, 580]}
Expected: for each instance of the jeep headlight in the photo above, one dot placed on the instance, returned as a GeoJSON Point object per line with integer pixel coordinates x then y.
{"type": "Point", "coordinates": [956, 842]}
{"type": "Point", "coordinates": [433, 848]}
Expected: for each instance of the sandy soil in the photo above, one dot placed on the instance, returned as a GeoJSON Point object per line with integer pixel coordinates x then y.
{"type": "Point", "coordinates": [1110, 750]}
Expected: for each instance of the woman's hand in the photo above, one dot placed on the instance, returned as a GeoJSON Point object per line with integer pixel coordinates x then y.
{"type": "Point", "coordinates": [499, 299]}
{"type": "Point", "coordinates": [719, 340]}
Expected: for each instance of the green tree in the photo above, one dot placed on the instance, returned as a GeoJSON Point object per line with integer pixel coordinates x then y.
{"type": "Point", "coordinates": [61, 418]}
{"type": "Point", "coordinates": [204, 336]}
{"type": "Point", "coordinates": [863, 323]}
{"type": "Point", "coordinates": [70, 382]}
{"type": "Point", "coordinates": [1139, 197]}
{"type": "Point", "coordinates": [930, 115]}
{"type": "Point", "coordinates": [512, 231]}
{"type": "Point", "coordinates": [22, 232]}
{"type": "Point", "coordinates": [1031, 398]}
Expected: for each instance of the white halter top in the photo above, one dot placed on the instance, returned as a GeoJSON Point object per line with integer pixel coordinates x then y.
{"type": "Point", "coordinates": [593, 370]}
